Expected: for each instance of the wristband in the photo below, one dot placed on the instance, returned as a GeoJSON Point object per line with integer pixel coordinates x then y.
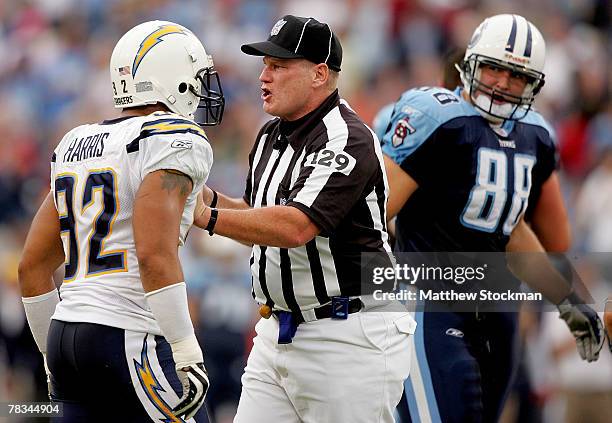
{"type": "Point", "coordinates": [213, 203]}
{"type": "Point", "coordinates": [171, 311]}
{"type": "Point", "coordinates": [570, 299]}
{"type": "Point", "coordinates": [186, 351]}
{"type": "Point", "coordinates": [39, 310]}
{"type": "Point", "coordinates": [212, 221]}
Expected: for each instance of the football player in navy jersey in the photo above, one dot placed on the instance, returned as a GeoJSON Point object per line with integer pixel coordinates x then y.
{"type": "Point", "coordinates": [461, 166]}
{"type": "Point", "coordinates": [545, 213]}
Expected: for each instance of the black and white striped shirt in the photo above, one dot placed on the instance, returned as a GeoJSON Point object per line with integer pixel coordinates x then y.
{"type": "Point", "coordinates": [329, 165]}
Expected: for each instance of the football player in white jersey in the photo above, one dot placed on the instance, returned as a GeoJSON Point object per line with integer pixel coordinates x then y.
{"type": "Point", "coordinates": [120, 345]}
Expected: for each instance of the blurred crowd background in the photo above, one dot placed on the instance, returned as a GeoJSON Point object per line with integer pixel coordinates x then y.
{"type": "Point", "coordinates": [54, 75]}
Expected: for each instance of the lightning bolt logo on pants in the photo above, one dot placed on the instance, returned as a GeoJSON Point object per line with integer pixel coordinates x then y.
{"type": "Point", "coordinates": [151, 386]}
{"type": "Point", "coordinates": [152, 40]}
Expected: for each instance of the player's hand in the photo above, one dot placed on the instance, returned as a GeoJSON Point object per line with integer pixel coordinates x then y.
{"type": "Point", "coordinates": [189, 364]}
{"type": "Point", "coordinates": [195, 385]}
{"type": "Point", "coordinates": [608, 320]}
{"type": "Point", "coordinates": [48, 373]}
{"type": "Point", "coordinates": [585, 325]}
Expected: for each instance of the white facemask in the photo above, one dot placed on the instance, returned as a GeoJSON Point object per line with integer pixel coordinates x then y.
{"type": "Point", "coordinates": [483, 102]}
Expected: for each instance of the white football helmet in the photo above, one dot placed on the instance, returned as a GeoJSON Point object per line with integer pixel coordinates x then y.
{"type": "Point", "coordinates": [510, 42]}
{"type": "Point", "coordinates": [163, 62]}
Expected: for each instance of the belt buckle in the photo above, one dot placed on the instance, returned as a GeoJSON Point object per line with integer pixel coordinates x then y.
{"type": "Point", "coordinates": [340, 308]}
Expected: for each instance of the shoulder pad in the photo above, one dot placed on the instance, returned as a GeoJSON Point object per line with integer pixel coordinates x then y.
{"type": "Point", "coordinates": [439, 103]}
{"type": "Point", "coordinates": [417, 114]}
{"type": "Point", "coordinates": [535, 118]}
{"type": "Point", "coordinates": [169, 123]}
{"type": "Point", "coordinates": [382, 119]}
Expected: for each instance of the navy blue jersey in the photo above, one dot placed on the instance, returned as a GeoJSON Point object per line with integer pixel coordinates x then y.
{"type": "Point", "coordinates": [474, 181]}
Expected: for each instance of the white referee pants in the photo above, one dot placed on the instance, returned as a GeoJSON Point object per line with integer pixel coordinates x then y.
{"type": "Point", "coordinates": [335, 371]}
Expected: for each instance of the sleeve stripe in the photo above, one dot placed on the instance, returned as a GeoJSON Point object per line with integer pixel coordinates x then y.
{"type": "Point", "coordinates": [171, 125]}
{"type": "Point", "coordinates": [134, 145]}
{"type": "Point", "coordinates": [373, 203]}
{"type": "Point", "coordinates": [337, 135]}
{"type": "Point", "coordinates": [170, 120]}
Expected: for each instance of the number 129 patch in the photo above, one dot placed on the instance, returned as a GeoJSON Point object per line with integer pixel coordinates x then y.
{"type": "Point", "coordinates": [402, 130]}
{"type": "Point", "coordinates": [338, 161]}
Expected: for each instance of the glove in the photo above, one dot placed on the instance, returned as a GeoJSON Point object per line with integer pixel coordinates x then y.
{"type": "Point", "coordinates": [585, 325]}
{"type": "Point", "coordinates": [608, 321]}
{"type": "Point", "coordinates": [176, 326]}
{"type": "Point", "coordinates": [195, 385]}
{"type": "Point", "coordinates": [191, 372]}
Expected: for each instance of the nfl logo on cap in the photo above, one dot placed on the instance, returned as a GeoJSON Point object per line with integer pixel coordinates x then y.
{"type": "Point", "coordinates": [277, 27]}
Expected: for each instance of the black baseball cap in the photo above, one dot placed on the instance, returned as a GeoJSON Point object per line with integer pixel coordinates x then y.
{"type": "Point", "coordinates": [294, 37]}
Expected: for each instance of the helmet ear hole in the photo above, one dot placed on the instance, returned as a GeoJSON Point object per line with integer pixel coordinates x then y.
{"type": "Point", "coordinates": [182, 88]}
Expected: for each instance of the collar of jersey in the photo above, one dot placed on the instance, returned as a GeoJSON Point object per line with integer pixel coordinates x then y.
{"type": "Point", "coordinates": [296, 130]}
{"type": "Point", "coordinates": [507, 126]}
{"type": "Point", "coordinates": [116, 120]}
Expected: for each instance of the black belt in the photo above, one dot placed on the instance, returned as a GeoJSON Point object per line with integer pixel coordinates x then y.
{"type": "Point", "coordinates": [288, 322]}
{"type": "Point", "coordinates": [325, 312]}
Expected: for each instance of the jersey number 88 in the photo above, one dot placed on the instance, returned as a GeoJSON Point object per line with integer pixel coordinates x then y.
{"type": "Point", "coordinates": [487, 200]}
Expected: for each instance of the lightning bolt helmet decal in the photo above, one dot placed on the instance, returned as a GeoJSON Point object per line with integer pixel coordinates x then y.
{"type": "Point", "coordinates": [152, 40]}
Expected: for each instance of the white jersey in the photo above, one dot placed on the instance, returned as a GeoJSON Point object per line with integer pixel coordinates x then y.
{"type": "Point", "coordinates": [96, 171]}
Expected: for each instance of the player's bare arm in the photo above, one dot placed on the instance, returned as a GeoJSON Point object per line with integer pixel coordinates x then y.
{"type": "Point", "coordinates": [550, 222]}
{"type": "Point", "coordinates": [158, 207]}
{"type": "Point", "coordinates": [172, 180]}
{"type": "Point", "coordinates": [401, 187]}
{"type": "Point", "coordinates": [43, 252]}
{"type": "Point", "coordinates": [535, 269]}
{"type": "Point", "coordinates": [42, 255]}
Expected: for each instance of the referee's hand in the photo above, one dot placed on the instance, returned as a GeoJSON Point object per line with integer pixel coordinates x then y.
{"type": "Point", "coordinates": [195, 385]}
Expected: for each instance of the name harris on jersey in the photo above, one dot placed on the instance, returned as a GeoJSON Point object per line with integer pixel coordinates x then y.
{"type": "Point", "coordinates": [86, 147]}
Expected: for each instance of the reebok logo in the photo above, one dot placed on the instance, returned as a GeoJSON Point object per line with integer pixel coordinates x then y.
{"type": "Point", "coordinates": [185, 144]}
{"type": "Point", "coordinates": [454, 332]}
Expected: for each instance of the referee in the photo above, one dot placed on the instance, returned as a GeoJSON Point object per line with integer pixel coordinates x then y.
{"type": "Point", "coordinates": [315, 201]}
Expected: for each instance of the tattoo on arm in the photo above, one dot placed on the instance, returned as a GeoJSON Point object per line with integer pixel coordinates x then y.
{"type": "Point", "coordinates": [171, 180]}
